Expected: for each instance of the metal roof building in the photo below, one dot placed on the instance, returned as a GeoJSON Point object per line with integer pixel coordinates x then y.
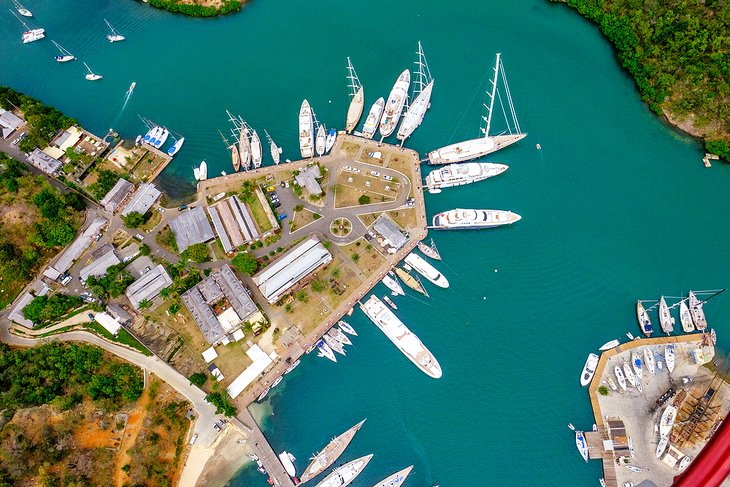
{"type": "Point", "coordinates": [44, 162]}
{"type": "Point", "coordinates": [104, 257]}
{"type": "Point", "coordinates": [233, 223]}
{"type": "Point", "coordinates": [17, 314]}
{"type": "Point", "coordinates": [202, 300]}
{"type": "Point", "coordinates": [117, 195]}
{"type": "Point", "coordinates": [142, 200]}
{"type": "Point", "coordinates": [148, 286]}
{"type": "Point", "coordinates": [191, 227]}
{"type": "Point", "coordinates": [390, 232]}
{"type": "Point", "coordinates": [307, 178]}
{"type": "Point", "coordinates": [276, 279]}
{"type": "Point", "coordinates": [75, 250]}
{"type": "Point", "coordinates": [9, 123]}
{"type": "Point", "coordinates": [118, 313]}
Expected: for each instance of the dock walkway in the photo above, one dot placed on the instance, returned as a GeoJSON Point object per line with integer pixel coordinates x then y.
{"type": "Point", "coordinates": [258, 443]}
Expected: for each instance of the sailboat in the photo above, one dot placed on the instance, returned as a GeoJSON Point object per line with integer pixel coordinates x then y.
{"type": "Point", "coordinates": [685, 317]}
{"type": "Point", "coordinates": [392, 283]}
{"type": "Point", "coordinates": [325, 351]}
{"type": "Point", "coordinates": [330, 142]}
{"type": "Point", "coordinates": [91, 76]}
{"type": "Point", "coordinates": [423, 85]}
{"type": "Point", "coordinates": [22, 10]}
{"type": "Point", "coordinates": [256, 152]}
{"type": "Point", "coordinates": [175, 148]}
{"type": "Point", "coordinates": [244, 144]}
{"type": "Point", "coordinates": [665, 318]}
{"type": "Point", "coordinates": [65, 55]}
{"type": "Point", "coordinates": [394, 105]}
{"type": "Point", "coordinates": [429, 250]}
{"type": "Point", "coordinates": [113, 36]}
{"type": "Point", "coordinates": [373, 120]}
{"type": "Point", "coordinates": [275, 150]}
{"type": "Point", "coordinates": [235, 156]}
{"type": "Point", "coordinates": [698, 315]}
{"type": "Point", "coordinates": [30, 35]}
{"type": "Point", "coordinates": [644, 320]}
{"type": "Point", "coordinates": [162, 138]}
{"type": "Point", "coordinates": [357, 99]}
{"type": "Point", "coordinates": [487, 143]}
{"type": "Point", "coordinates": [306, 130]}
{"type": "Point", "coordinates": [410, 281]}
{"type": "Point", "coordinates": [321, 140]}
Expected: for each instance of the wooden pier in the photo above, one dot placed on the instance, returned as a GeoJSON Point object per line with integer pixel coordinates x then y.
{"type": "Point", "coordinates": [260, 446]}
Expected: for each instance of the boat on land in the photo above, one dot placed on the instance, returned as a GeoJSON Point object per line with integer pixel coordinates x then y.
{"type": "Point", "coordinates": [486, 143]}
{"type": "Point", "coordinates": [649, 360]}
{"type": "Point", "coordinates": [330, 141]}
{"type": "Point", "coordinates": [30, 34]}
{"type": "Point", "coordinates": [113, 35]}
{"type": "Point", "coordinates": [345, 474]}
{"type": "Point", "coordinates": [667, 421]}
{"type": "Point", "coordinates": [21, 9]}
{"type": "Point", "coordinates": [630, 376]}
{"type": "Point", "coordinates": [394, 105]}
{"type": "Point", "coordinates": [609, 345]}
{"type": "Point", "coordinates": [698, 315]}
{"type": "Point", "coordinates": [663, 442]}
{"type": "Point", "coordinates": [325, 351]}
{"type": "Point", "coordinates": [396, 479]}
{"type": "Point", "coordinates": [65, 55]}
{"type": "Point", "coordinates": [175, 148]}
{"type": "Point", "coordinates": [426, 270]}
{"type": "Point", "coordinates": [421, 98]}
{"type": "Point", "coordinates": [357, 98]}
{"type": "Point", "coordinates": [347, 328]}
{"type": "Point", "coordinates": [410, 281]}
{"type": "Point", "coordinates": [287, 460]}
{"type": "Point", "coordinates": [256, 151]}
{"type": "Point", "coordinates": [321, 140]}
{"type": "Point", "coordinates": [669, 358]}
{"type": "Point", "coordinates": [373, 119]}
{"type": "Point", "coordinates": [589, 369]}
{"type": "Point", "coordinates": [665, 317]}
{"type": "Point", "coordinates": [636, 364]}
{"type": "Point", "coordinates": [329, 454]}
{"type": "Point", "coordinates": [461, 174]}
{"type": "Point", "coordinates": [471, 219]}
{"type": "Point", "coordinates": [620, 377]}
{"type": "Point", "coordinates": [306, 130]}
{"type": "Point", "coordinates": [685, 317]}
{"type": "Point", "coordinates": [429, 250]}
{"type": "Point", "coordinates": [91, 76]}
{"type": "Point", "coordinates": [293, 366]}
{"type": "Point", "coordinates": [263, 394]}
{"type": "Point", "coordinates": [162, 138]}
{"type": "Point", "coordinates": [393, 285]}
{"type": "Point", "coordinates": [612, 384]}
{"type": "Point", "coordinates": [634, 468]}
{"type": "Point", "coordinates": [275, 150]}
{"type": "Point", "coordinates": [684, 462]}
{"type": "Point", "coordinates": [581, 444]}
{"type": "Point", "coordinates": [632, 450]}
{"type": "Point", "coordinates": [398, 333]}
{"type": "Point", "coordinates": [337, 334]}
{"type": "Point", "coordinates": [644, 321]}
{"type": "Point", "coordinates": [390, 302]}
{"type": "Point", "coordinates": [334, 344]}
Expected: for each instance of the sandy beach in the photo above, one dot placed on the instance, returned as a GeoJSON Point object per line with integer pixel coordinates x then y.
{"type": "Point", "coordinates": [214, 466]}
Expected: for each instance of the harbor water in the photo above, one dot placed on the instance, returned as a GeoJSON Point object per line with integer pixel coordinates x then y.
{"type": "Point", "coordinates": [616, 206]}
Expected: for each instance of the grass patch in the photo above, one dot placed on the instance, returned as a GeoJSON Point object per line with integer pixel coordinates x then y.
{"type": "Point", "coordinates": [123, 337]}
{"type": "Point", "coordinates": [406, 218]}
{"type": "Point", "coordinates": [369, 259]}
{"type": "Point", "coordinates": [259, 215]}
{"type": "Point", "coordinates": [166, 239]}
{"type": "Point", "coordinates": [302, 218]}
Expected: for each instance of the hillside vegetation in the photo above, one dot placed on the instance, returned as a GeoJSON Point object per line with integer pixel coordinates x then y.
{"type": "Point", "coordinates": [678, 52]}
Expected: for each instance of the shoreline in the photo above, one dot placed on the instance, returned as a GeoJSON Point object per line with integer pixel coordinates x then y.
{"type": "Point", "coordinates": [197, 10]}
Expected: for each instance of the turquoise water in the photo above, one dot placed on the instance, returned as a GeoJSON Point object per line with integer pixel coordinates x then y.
{"type": "Point", "coordinates": [616, 206]}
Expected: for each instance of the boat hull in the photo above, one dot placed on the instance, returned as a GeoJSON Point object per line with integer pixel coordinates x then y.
{"type": "Point", "coordinates": [472, 149]}
{"type": "Point", "coordinates": [354, 111]}
{"type": "Point", "coordinates": [373, 120]}
{"type": "Point", "coordinates": [414, 116]}
{"type": "Point", "coordinates": [394, 105]}
{"type": "Point", "coordinates": [473, 219]}
{"type": "Point", "coordinates": [306, 130]}
{"type": "Point", "coordinates": [461, 174]}
{"type": "Point", "coordinates": [427, 270]}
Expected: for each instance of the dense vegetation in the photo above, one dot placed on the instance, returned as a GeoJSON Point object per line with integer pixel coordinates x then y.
{"type": "Point", "coordinates": [44, 309]}
{"type": "Point", "coordinates": [105, 180]}
{"type": "Point", "coordinates": [134, 219]}
{"type": "Point", "coordinates": [246, 263]}
{"type": "Point", "coordinates": [678, 52]}
{"type": "Point", "coordinates": [197, 253]}
{"type": "Point", "coordinates": [222, 403]}
{"type": "Point", "coordinates": [195, 10]}
{"type": "Point", "coordinates": [112, 284]}
{"type": "Point", "coordinates": [43, 121]}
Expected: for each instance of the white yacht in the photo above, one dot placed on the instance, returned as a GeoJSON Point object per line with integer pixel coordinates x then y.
{"type": "Point", "coordinates": [426, 270]}
{"type": "Point", "coordinates": [113, 35]}
{"type": "Point", "coordinates": [91, 76]}
{"type": "Point", "coordinates": [460, 174]}
{"type": "Point", "coordinates": [636, 363]}
{"type": "Point", "coordinates": [665, 317]}
{"type": "Point", "coordinates": [345, 474]}
{"type": "Point", "coordinates": [609, 345]}
{"type": "Point", "coordinates": [175, 148]}
{"type": "Point", "coordinates": [31, 35]}
{"type": "Point", "coordinates": [347, 328]}
{"type": "Point", "coordinates": [589, 369]}
{"type": "Point", "coordinates": [394, 105]}
{"type": "Point", "coordinates": [396, 479]}
{"type": "Point", "coordinates": [321, 140]}
{"type": "Point", "coordinates": [421, 98]}
{"type": "Point", "coordinates": [357, 99]}
{"type": "Point", "coordinates": [629, 374]}
{"type": "Point", "coordinates": [256, 152]}
{"type": "Point", "coordinates": [373, 120]}
{"type": "Point", "coordinates": [471, 219]}
{"type": "Point", "coordinates": [331, 138]}
{"type": "Point", "coordinates": [685, 317]}
{"type": "Point", "coordinates": [287, 460]}
{"type": "Point", "coordinates": [698, 315]}
{"type": "Point", "coordinates": [393, 284]}
{"type": "Point", "coordinates": [325, 351]}
{"type": "Point", "coordinates": [408, 343]}
{"type": "Point", "coordinates": [64, 56]}
{"type": "Point", "coordinates": [21, 9]}
{"type": "Point", "coordinates": [306, 130]}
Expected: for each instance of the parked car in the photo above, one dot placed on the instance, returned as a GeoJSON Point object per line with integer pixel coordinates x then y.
{"type": "Point", "coordinates": [139, 236]}
{"type": "Point", "coordinates": [23, 136]}
{"type": "Point", "coordinates": [194, 439]}
{"type": "Point", "coordinates": [65, 279]}
{"type": "Point", "coordinates": [375, 173]}
{"type": "Point", "coordinates": [346, 168]}
{"type": "Point", "coordinates": [387, 178]}
{"type": "Point", "coordinates": [15, 142]}
{"type": "Point", "coordinates": [282, 216]}
{"type": "Point", "coordinates": [356, 170]}
{"type": "Point", "coordinates": [91, 316]}
{"type": "Point", "coordinates": [182, 207]}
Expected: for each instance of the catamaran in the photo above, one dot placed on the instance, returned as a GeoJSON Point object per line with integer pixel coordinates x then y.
{"type": "Point", "coordinates": [460, 174]}
{"type": "Point", "coordinates": [162, 138]}
{"type": "Point", "coordinates": [429, 250]}
{"type": "Point", "coordinates": [393, 284]}
{"type": "Point", "coordinates": [470, 219]}
{"type": "Point", "coordinates": [426, 270]}
{"type": "Point", "coordinates": [685, 317]}
{"type": "Point", "coordinates": [396, 479]}
{"type": "Point", "coordinates": [321, 140]}
{"type": "Point", "coordinates": [698, 315]}
{"type": "Point", "coordinates": [91, 76]}
{"type": "Point", "coordinates": [644, 321]}
{"type": "Point", "coordinates": [487, 143]}
{"type": "Point", "coordinates": [22, 10]}
{"type": "Point", "coordinates": [357, 99]}
{"type": "Point", "coordinates": [330, 142]}
{"type": "Point", "coordinates": [30, 35]}
{"type": "Point", "coordinates": [394, 106]}
{"type": "Point", "coordinates": [306, 130]}
{"type": "Point", "coordinates": [65, 55]}
{"type": "Point", "coordinates": [589, 369]}
{"type": "Point", "coordinates": [256, 151]}
{"type": "Point", "coordinates": [421, 96]}
{"type": "Point", "coordinates": [175, 148]}
{"type": "Point", "coordinates": [665, 318]}
{"type": "Point", "coordinates": [113, 35]}
{"type": "Point", "coordinates": [408, 343]}
{"type": "Point", "coordinates": [322, 460]}
{"type": "Point", "coordinates": [410, 281]}
{"type": "Point", "coordinates": [275, 150]}
{"type": "Point", "coordinates": [373, 120]}
{"type": "Point", "coordinates": [345, 474]}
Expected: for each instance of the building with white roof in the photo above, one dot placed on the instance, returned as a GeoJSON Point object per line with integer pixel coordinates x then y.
{"type": "Point", "coordinates": [260, 362]}
{"type": "Point", "coordinates": [142, 200]}
{"type": "Point", "coordinates": [74, 251]}
{"type": "Point", "coordinates": [9, 123]}
{"type": "Point", "coordinates": [44, 162]}
{"type": "Point", "coordinates": [109, 323]}
{"type": "Point", "coordinates": [103, 258]}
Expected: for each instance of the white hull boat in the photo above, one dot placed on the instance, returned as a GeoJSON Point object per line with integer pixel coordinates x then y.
{"type": "Point", "coordinates": [609, 345]}
{"type": "Point", "coordinates": [113, 35]}
{"type": "Point", "coordinates": [429, 250]}
{"type": "Point", "coordinates": [662, 446]}
{"type": "Point", "coordinates": [666, 423]}
{"type": "Point", "coordinates": [426, 270]}
{"type": "Point", "coordinates": [396, 479]}
{"type": "Point", "coordinates": [287, 460]}
{"type": "Point", "coordinates": [698, 315]}
{"type": "Point", "coordinates": [373, 119]}
{"type": "Point", "coordinates": [629, 374]}
{"type": "Point", "coordinates": [275, 150]}
{"type": "Point", "coordinates": [357, 98]}
{"type": "Point", "coordinates": [589, 369]}
{"type": "Point", "coordinates": [612, 384]}
{"type": "Point", "coordinates": [162, 139]}
{"type": "Point", "coordinates": [347, 328]}
{"type": "Point", "coordinates": [321, 141]}
{"type": "Point", "coordinates": [306, 130]}
{"type": "Point", "coordinates": [581, 444]}
{"type": "Point", "coordinates": [393, 285]}
{"type": "Point", "coordinates": [21, 9]}
{"type": "Point", "coordinates": [175, 148]}
{"type": "Point", "coordinates": [244, 146]}
{"type": "Point", "coordinates": [330, 141]}
{"type": "Point", "coordinates": [665, 317]}
{"type": "Point", "coordinates": [649, 360]}
{"type": "Point", "coordinates": [91, 76]}
{"type": "Point", "coordinates": [414, 116]}
{"type": "Point", "coordinates": [263, 394]}
{"type": "Point", "coordinates": [636, 364]}
{"type": "Point", "coordinates": [203, 170]}
{"type": "Point", "coordinates": [390, 302]}
{"type": "Point", "coordinates": [669, 357]}
{"type": "Point", "coordinates": [643, 317]}
{"type": "Point", "coordinates": [684, 463]}
{"type": "Point", "coordinates": [685, 318]}
{"type": "Point", "coordinates": [334, 344]}
{"type": "Point", "coordinates": [325, 351]}
{"type": "Point", "coordinates": [344, 475]}
{"type": "Point", "coordinates": [337, 334]}
{"type": "Point", "coordinates": [256, 151]}
{"type": "Point", "coordinates": [394, 105]}
{"type": "Point", "coordinates": [292, 366]}
{"type": "Point", "coordinates": [461, 174]}
{"type": "Point", "coordinates": [471, 219]}
{"type": "Point", "coordinates": [64, 56]}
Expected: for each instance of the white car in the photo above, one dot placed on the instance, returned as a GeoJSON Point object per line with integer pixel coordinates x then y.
{"type": "Point", "coordinates": [346, 168]}
{"type": "Point", "coordinates": [355, 170]}
{"type": "Point", "coordinates": [374, 173]}
{"type": "Point", "coordinates": [387, 178]}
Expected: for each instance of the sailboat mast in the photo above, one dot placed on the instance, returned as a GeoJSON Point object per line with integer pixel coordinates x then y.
{"type": "Point", "coordinates": [492, 96]}
{"type": "Point", "coordinates": [354, 80]}
{"type": "Point", "coordinates": [509, 99]}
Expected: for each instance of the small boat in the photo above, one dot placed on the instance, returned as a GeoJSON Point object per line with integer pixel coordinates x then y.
{"type": "Point", "coordinates": [132, 86]}
{"type": "Point", "coordinates": [320, 141]}
{"type": "Point", "coordinates": [602, 482]}
{"type": "Point", "coordinates": [634, 468]}
{"type": "Point", "coordinates": [390, 302]}
{"type": "Point", "coordinates": [22, 10]}
{"type": "Point", "coordinates": [275, 150]}
{"type": "Point", "coordinates": [256, 151]}
{"type": "Point", "coordinates": [162, 138]}
{"type": "Point", "coordinates": [330, 141]}
{"type": "Point", "coordinates": [196, 173]}
{"type": "Point", "coordinates": [629, 374]}
{"type": "Point", "coordinates": [65, 55]}
{"type": "Point", "coordinates": [337, 334]}
{"type": "Point", "coordinates": [263, 394]}
{"type": "Point", "coordinates": [138, 140]}
{"type": "Point", "coordinates": [684, 462]}
{"type": "Point", "coordinates": [429, 250]}
{"type": "Point", "coordinates": [662, 446]}
{"type": "Point", "coordinates": [175, 148]}
{"type": "Point", "coordinates": [113, 35]}
{"type": "Point", "coordinates": [685, 318]}
{"type": "Point", "coordinates": [357, 99]}
{"type": "Point", "coordinates": [649, 360]}
{"type": "Point", "coordinates": [345, 474]}
{"type": "Point", "coordinates": [393, 285]}
{"type": "Point", "coordinates": [644, 321]}
{"type": "Point", "coordinates": [630, 336]}
{"type": "Point", "coordinates": [223, 173]}
{"type": "Point", "coordinates": [632, 450]}
{"type": "Point", "coordinates": [235, 157]}
{"type": "Point", "coordinates": [277, 381]}
{"type": "Point", "coordinates": [334, 344]}
{"type": "Point", "coordinates": [571, 427]}
{"type": "Point", "coordinates": [347, 328]}
{"type": "Point", "coordinates": [426, 270]}
{"type": "Point", "coordinates": [669, 357]}
{"type": "Point", "coordinates": [203, 170]}
{"type": "Point", "coordinates": [91, 76]}
{"type": "Point", "coordinates": [636, 364]}
{"type": "Point", "coordinates": [665, 317]}
{"type": "Point", "coordinates": [589, 369]}
{"type": "Point", "coordinates": [667, 421]}
{"type": "Point", "coordinates": [620, 377]}
{"type": "Point", "coordinates": [396, 479]}
{"type": "Point", "coordinates": [292, 366]}
{"type": "Point", "coordinates": [325, 351]}
{"type": "Point", "coordinates": [287, 460]}
{"type": "Point", "coordinates": [306, 130]}
{"type": "Point", "coordinates": [698, 315]}
{"type": "Point", "coordinates": [410, 281]}
{"type": "Point", "coordinates": [609, 345]}
{"type": "Point", "coordinates": [394, 105]}
{"type": "Point", "coordinates": [713, 336]}
{"type": "Point", "coordinates": [581, 444]}
{"type": "Point", "coordinates": [373, 120]}
{"type": "Point", "coordinates": [612, 384]}
{"type": "Point", "coordinates": [595, 427]}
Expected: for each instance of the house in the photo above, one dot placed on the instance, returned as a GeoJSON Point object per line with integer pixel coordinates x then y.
{"type": "Point", "coordinates": [307, 178]}
{"type": "Point", "coordinates": [191, 227]}
{"type": "Point", "coordinates": [148, 286]}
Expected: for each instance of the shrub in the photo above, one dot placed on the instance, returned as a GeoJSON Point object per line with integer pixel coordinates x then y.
{"type": "Point", "coordinates": [364, 200]}
{"type": "Point", "coordinates": [198, 379]}
{"type": "Point", "coordinates": [246, 263]}
{"type": "Point", "coordinates": [197, 253]}
{"type": "Point", "coordinates": [134, 219]}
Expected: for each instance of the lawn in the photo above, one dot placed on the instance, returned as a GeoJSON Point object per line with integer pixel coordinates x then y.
{"type": "Point", "coordinates": [406, 218]}
{"type": "Point", "coordinates": [350, 149]}
{"type": "Point", "coordinates": [303, 218]}
{"type": "Point", "coordinates": [123, 337]}
{"type": "Point", "coordinates": [349, 187]}
{"type": "Point", "coordinates": [368, 260]}
{"type": "Point", "coordinates": [368, 219]}
{"type": "Point", "coordinates": [259, 215]}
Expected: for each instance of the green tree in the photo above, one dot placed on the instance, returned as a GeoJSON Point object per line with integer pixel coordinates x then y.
{"type": "Point", "coordinates": [43, 309]}
{"type": "Point", "coordinates": [144, 304]}
{"type": "Point", "coordinates": [302, 296]}
{"type": "Point", "coordinates": [133, 219]}
{"type": "Point", "coordinates": [222, 404]}
{"type": "Point", "coordinates": [246, 263]}
{"type": "Point", "coordinates": [144, 250]}
{"type": "Point", "coordinates": [105, 181]}
{"type": "Point", "coordinates": [318, 285]}
{"type": "Point", "coordinates": [355, 256]}
{"type": "Point", "coordinates": [198, 379]}
{"type": "Point", "coordinates": [197, 253]}
{"type": "Point", "coordinates": [174, 308]}
{"type": "Point", "coordinates": [364, 200]}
